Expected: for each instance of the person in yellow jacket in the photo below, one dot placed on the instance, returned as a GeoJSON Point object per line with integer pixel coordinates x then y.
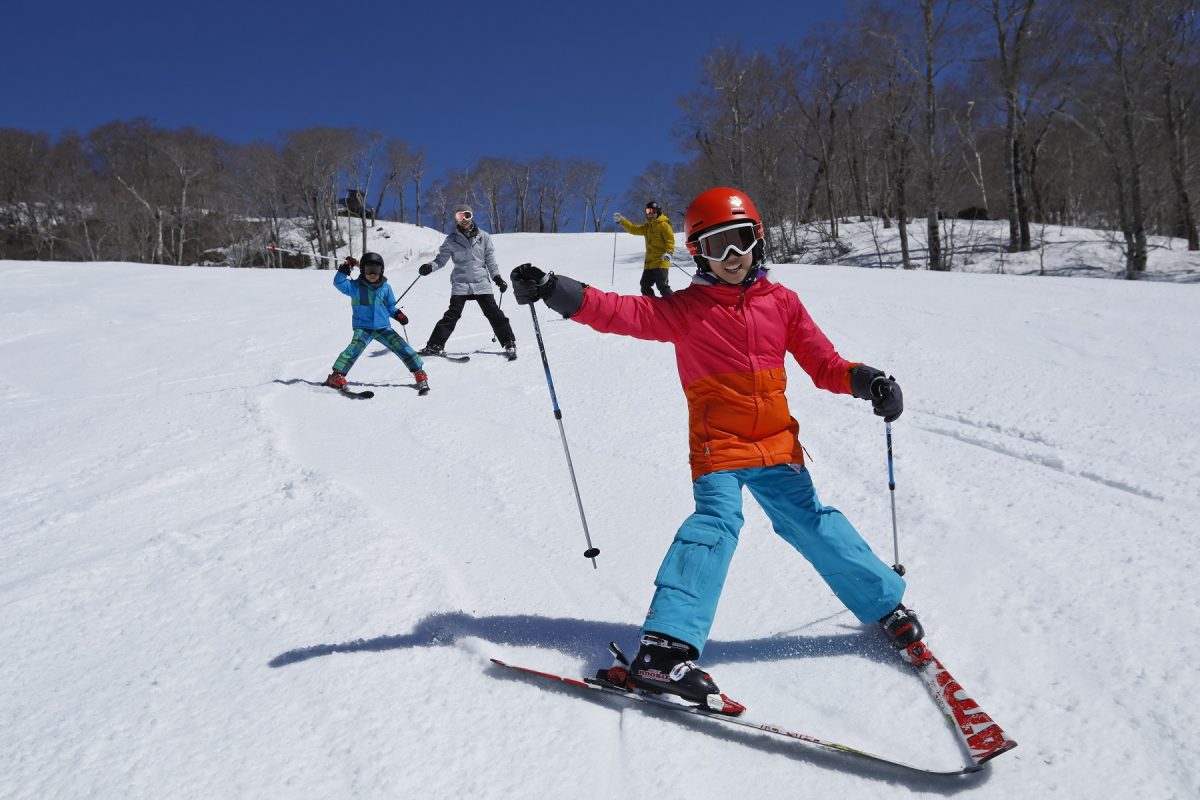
{"type": "Point", "coordinates": [660, 243]}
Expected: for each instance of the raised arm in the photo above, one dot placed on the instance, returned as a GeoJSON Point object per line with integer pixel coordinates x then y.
{"type": "Point", "coordinates": [656, 319]}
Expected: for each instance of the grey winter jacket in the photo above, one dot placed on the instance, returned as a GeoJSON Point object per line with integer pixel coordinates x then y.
{"type": "Point", "coordinates": [474, 262]}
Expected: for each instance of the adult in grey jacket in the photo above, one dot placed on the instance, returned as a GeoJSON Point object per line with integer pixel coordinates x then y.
{"type": "Point", "coordinates": [475, 271]}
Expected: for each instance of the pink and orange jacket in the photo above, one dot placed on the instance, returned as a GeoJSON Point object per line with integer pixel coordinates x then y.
{"type": "Point", "coordinates": [730, 343]}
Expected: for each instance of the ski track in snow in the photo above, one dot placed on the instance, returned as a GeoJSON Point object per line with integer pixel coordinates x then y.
{"type": "Point", "coordinates": [1050, 460]}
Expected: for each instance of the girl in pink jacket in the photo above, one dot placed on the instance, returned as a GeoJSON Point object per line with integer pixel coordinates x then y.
{"type": "Point", "coordinates": [731, 329]}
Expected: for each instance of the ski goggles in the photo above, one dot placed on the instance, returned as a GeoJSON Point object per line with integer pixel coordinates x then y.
{"type": "Point", "coordinates": [463, 216]}
{"type": "Point", "coordinates": [715, 245]}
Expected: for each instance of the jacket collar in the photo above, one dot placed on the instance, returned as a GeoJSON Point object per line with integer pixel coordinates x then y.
{"type": "Point", "coordinates": [755, 284]}
{"type": "Point", "coordinates": [708, 279]}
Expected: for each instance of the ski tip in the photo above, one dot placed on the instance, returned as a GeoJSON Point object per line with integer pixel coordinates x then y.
{"type": "Point", "coordinates": [1009, 744]}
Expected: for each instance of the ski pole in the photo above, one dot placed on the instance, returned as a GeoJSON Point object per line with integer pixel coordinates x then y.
{"type": "Point", "coordinates": [680, 268]}
{"type": "Point", "coordinates": [614, 266]}
{"type": "Point", "coordinates": [274, 248]}
{"type": "Point", "coordinates": [591, 551]}
{"type": "Point", "coordinates": [897, 566]}
{"type": "Point", "coordinates": [500, 305]}
{"type": "Point", "coordinates": [406, 291]}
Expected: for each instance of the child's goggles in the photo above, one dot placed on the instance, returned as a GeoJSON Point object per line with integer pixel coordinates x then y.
{"type": "Point", "coordinates": [716, 244]}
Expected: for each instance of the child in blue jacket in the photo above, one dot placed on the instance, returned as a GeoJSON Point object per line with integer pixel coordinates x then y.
{"type": "Point", "coordinates": [374, 307]}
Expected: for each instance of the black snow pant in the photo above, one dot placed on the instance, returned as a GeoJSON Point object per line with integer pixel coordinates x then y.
{"type": "Point", "coordinates": [655, 277]}
{"type": "Point", "coordinates": [487, 302]}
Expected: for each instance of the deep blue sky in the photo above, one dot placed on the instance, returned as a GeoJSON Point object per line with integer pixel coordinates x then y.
{"type": "Point", "coordinates": [462, 80]}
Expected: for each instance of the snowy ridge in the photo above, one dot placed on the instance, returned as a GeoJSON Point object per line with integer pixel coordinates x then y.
{"type": "Point", "coordinates": [217, 585]}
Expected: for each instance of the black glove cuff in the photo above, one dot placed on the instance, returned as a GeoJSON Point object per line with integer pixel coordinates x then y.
{"type": "Point", "coordinates": [563, 294]}
{"type": "Point", "coordinates": [861, 378]}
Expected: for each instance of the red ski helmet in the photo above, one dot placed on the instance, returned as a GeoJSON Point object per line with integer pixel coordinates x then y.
{"type": "Point", "coordinates": [719, 207]}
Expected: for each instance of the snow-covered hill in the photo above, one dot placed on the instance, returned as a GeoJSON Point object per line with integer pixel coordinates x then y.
{"type": "Point", "coordinates": [220, 581]}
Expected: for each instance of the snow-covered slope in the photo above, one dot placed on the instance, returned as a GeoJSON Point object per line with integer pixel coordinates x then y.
{"type": "Point", "coordinates": [220, 581]}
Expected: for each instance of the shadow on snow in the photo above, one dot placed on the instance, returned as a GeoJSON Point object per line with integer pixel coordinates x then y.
{"type": "Point", "coordinates": [587, 639]}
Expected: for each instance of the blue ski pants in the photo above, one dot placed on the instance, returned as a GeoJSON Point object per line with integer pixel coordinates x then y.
{"type": "Point", "coordinates": [692, 574]}
{"type": "Point", "coordinates": [390, 339]}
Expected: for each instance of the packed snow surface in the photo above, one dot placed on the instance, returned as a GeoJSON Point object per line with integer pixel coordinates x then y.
{"type": "Point", "coordinates": [220, 580]}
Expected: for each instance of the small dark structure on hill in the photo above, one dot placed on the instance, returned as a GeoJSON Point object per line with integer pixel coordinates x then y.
{"type": "Point", "coordinates": [354, 205]}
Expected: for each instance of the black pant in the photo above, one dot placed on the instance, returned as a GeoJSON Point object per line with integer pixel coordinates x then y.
{"type": "Point", "coordinates": [655, 277]}
{"type": "Point", "coordinates": [487, 302]}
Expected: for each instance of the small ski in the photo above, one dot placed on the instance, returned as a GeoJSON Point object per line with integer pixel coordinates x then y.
{"type": "Point", "coordinates": [458, 358]}
{"type": "Point", "coordinates": [367, 395]}
{"type": "Point", "coordinates": [604, 687]}
{"type": "Point", "coordinates": [353, 395]}
{"type": "Point", "coordinates": [982, 737]}
{"type": "Point", "coordinates": [504, 353]}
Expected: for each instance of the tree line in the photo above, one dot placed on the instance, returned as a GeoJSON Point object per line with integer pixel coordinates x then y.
{"type": "Point", "coordinates": [134, 191]}
{"type": "Point", "coordinates": [1063, 112]}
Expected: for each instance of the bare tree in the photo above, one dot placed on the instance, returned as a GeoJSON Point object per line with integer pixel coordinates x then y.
{"type": "Point", "coordinates": [364, 161]}
{"type": "Point", "coordinates": [1012, 20]}
{"type": "Point", "coordinates": [314, 159]}
{"type": "Point", "coordinates": [824, 83]}
{"type": "Point", "coordinates": [1118, 33]}
{"type": "Point", "coordinates": [492, 178]}
{"type": "Point", "coordinates": [72, 189]}
{"type": "Point", "coordinates": [522, 186]}
{"type": "Point", "coordinates": [552, 192]}
{"type": "Point", "coordinates": [396, 169]}
{"type": "Point", "coordinates": [590, 175]}
{"type": "Point", "coordinates": [189, 157]}
{"type": "Point", "coordinates": [417, 173]}
{"type": "Point", "coordinates": [22, 155]}
{"type": "Point", "coordinates": [129, 157]}
{"type": "Point", "coordinates": [896, 100]}
{"type": "Point", "coordinates": [1175, 44]}
{"type": "Point", "coordinates": [933, 28]}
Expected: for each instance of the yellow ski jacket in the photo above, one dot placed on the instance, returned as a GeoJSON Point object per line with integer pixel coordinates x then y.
{"type": "Point", "coordinates": [660, 240]}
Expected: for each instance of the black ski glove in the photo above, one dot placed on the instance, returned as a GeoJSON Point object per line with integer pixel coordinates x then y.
{"type": "Point", "coordinates": [500, 282]}
{"type": "Point", "coordinates": [350, 261]}
{"type": "Point", "coordinates": [530, 284]}
{"type": "Point", "coordinates": [425, 269]}
{"type": "Point", "coordinates": [401, 317]}
{"type": "Point", "coordinates": [563, 294]}
{"type": "Point", "coordinates": [868, 383]}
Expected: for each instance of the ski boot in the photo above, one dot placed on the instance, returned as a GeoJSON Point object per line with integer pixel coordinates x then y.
{"type": "Point", "coordinates": [337, 380]}
{"type": "Point", "coordinates": [664, 666]}
{"type": "Point", "coordinates": [422, 381]}
{"type": "Point", "coordinates": [431, 350]}
{"type": "Point", "coordinates": [510, 351]}
{"type": "Point", "coordinates": [902, 627]}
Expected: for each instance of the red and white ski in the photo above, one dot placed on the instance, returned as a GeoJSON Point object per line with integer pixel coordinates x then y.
{"type": "Point", "coordinates": [978, 732]}
{"type": "Point", "coordinates": [983, 738]}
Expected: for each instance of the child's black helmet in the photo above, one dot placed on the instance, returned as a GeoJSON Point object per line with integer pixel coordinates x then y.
{"type": "Point", "coordinates": [371, 264]}
{"type": "Point", "coordinates": [652, 205]}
